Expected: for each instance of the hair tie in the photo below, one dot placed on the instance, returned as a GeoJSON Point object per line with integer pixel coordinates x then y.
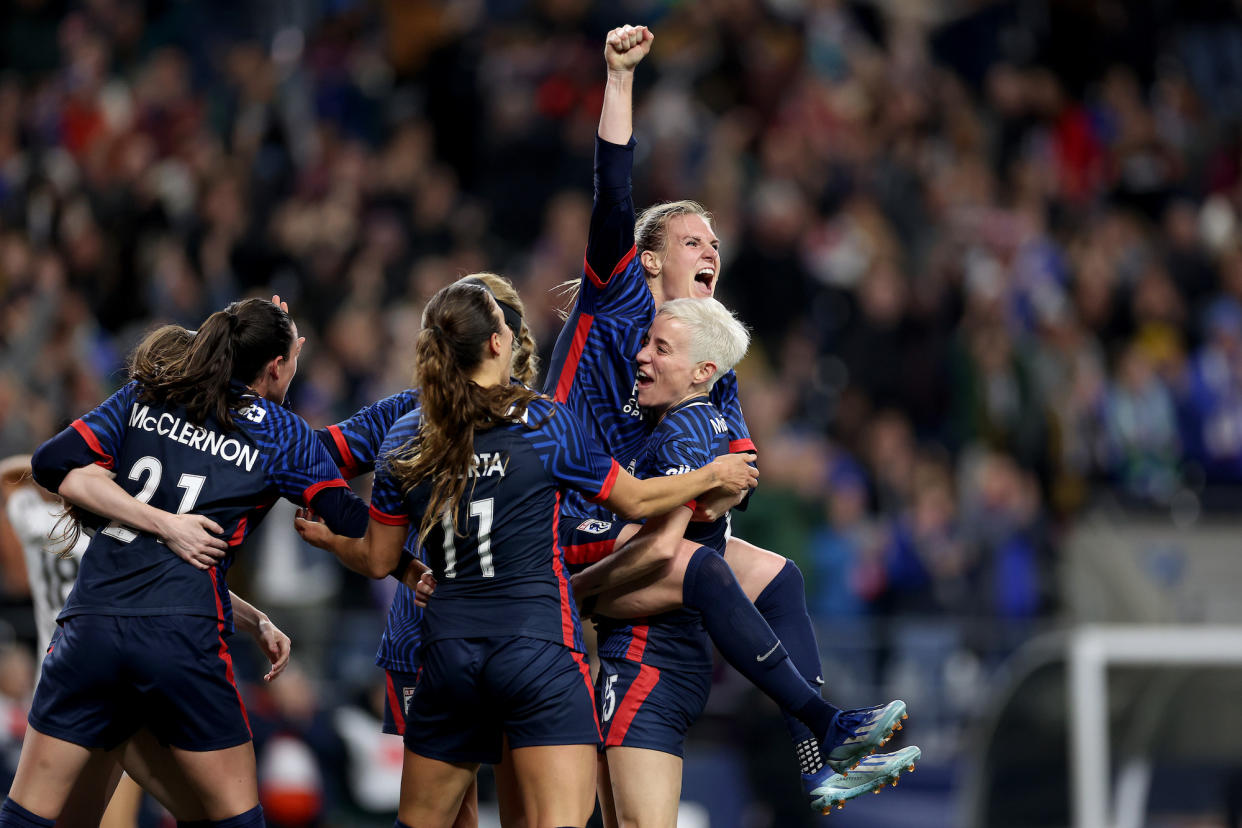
{"type": "Point", "coordinates": [436, 329]}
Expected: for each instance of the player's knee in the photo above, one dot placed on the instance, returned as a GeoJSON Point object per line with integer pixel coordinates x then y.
{"type": "Point", "coordinates": [793, 575]}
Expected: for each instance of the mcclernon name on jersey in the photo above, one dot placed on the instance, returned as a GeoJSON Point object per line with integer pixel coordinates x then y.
{"type": "Point", "coordinates": [194, 436]}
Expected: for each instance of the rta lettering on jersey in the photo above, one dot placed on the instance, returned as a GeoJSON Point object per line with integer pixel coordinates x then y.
{"type": "Point", "coordinates": [488, 463]}
{"type": "Point", "coordinates": [194, 436]}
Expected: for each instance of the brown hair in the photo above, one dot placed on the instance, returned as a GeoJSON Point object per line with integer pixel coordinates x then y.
{"type": "Point", "coordinates": [233, 344]}
{"type": "Point", "coordinates": [525, 356]}
{"type": "Point", "coordinates": [150, 358]}
{"type": "Point", "coordinates": [650, 233]}
{"type": "Point", "coordinates": [157, 350]}
{"type": "Point", "coordinates": [457, 323]}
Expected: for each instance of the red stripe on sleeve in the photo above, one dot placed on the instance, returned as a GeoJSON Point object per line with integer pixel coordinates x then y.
{"type": "Point", "coordinates": [106, 460]}
{"type": "Point", "coordinates": [311, 491]}
{"type": "Point", "coordinates": [387, 519]}
{"type": "Point", "coordinates": [349, 466]}
{"type": "Point", "coordinates": [648, 678]}
{"type": "Point", "coordinates": [736, 446]}
{"type": "Point", "coordinates": [566, 380]}
{"type": "Point", "coordinates": [621, 265]}
{"type": "Point", "coordinates": [398, 712]}
{"type": "Point", "coordinates": [611, 480]}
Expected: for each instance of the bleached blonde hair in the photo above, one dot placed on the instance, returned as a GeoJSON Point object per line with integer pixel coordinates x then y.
{"type": "Point", "coordinates": [716, 335]}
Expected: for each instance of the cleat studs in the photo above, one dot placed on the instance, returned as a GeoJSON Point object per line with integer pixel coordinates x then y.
{"type": "Point", "coordinates": [877, 790]}
{"type": "Point", "coordinates": [911, 766]}
{"type": "Point", "coordinates": [905, 715]}
{"type": "Point", "coordinates": [825, 811]}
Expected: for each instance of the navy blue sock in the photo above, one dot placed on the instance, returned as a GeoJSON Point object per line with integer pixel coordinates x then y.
{"type": "Point", "coordinates": [251, 819]}
{"type": "Point", "coordinates": [783, 605]}
{"type": "Point", "coordinates": [399, 824]}
{"type": "Point", "coordinates": [746, 641]}
{"type": "Point", "coordinates": [15, 816]}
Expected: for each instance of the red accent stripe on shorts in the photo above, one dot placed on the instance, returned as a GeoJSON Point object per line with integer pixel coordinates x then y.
{"type": "Point", "coordinates": [106, 460]}
{"type": "Point", "coordinates": [566, 380]}
{"type": "Point", "coordinates": [387, 519]}
{"type": "Point", "coordinates": [311, 491]}
{"type": "Point", "coordinates": [638, 642]}
{"type": "Point", "coordinates": [586, 676]}
{"type": "Point", "coordinates": [589, 553]}
{"type": "Point", "coordinates": [648, 678]}
{"type": "Point", "coordinates": [224, 653]}
{"type": "Point", "coordinates": [737, 446]}
{"type": "Point", "coordinates": [398, 711]}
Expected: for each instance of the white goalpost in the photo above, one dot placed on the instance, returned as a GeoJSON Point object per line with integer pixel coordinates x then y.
{"type": "Point", "coordinates": [1092, 650]}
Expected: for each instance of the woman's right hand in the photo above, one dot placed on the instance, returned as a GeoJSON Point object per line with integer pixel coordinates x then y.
{"type": "Point", "coordinates": [313, 530]}
{"type": "Point", "coordinates": [626, 46]}
{"type": "Point", "coordinates": [194, 539]}
{"type": "Point", "coordinates": [734, 473]}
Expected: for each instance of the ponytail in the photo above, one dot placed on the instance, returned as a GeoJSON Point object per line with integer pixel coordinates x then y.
{"type": "Point", "coordinates": [228, 352]}
{"type": "Point", "coordinates": [457, 323]}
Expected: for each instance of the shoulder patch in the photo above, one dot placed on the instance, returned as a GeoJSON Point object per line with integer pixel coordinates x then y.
{"type": "Point", "coordinates": [594, 527]}
{"type": "Point", "coordinates": [254, 413]}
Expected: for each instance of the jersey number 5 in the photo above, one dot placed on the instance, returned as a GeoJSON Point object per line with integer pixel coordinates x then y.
{"type": "Point", "coordinates": [190, 484]}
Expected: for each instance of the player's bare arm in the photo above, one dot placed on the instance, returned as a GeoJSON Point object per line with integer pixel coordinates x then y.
{"type": "Point", "coordinates": [624, 49]}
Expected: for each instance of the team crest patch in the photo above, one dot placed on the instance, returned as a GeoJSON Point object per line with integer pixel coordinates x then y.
{"type": "Point", "coordinates": [595, 527]}
{"type": "Point", "coordinates": [253, 413]}
{"type": "Point", "coordinates": [407, 693]}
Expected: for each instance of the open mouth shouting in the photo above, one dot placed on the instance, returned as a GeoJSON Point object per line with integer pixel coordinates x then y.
{"type": "Point", "coordinates": [705, 282]}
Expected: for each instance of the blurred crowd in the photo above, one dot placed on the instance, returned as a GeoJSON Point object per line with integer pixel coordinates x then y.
{"type": "Point", "coordinates": [989, 250]}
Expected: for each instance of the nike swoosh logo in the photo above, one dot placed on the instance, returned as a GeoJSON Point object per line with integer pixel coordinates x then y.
{"type": "Point", "coordinates": [768, 653]}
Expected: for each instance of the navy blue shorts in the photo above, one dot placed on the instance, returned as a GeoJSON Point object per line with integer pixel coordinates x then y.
{"type": "Point", "coordinates": [105, 676]}
{"type": "Point", "coordinates": [474, 691]}
{"type": "Point", "coordinates": [398, 690]}
{"type": "Point", "coordinates": [587, 540]}
{"type": "Point", "coordinates": [648, 707]}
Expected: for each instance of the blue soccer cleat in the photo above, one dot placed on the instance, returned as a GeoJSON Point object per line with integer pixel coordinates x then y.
{"type": "Point", "coordinates": [856, 734]}
{"type": "Point", "coordinates": [871, 775]}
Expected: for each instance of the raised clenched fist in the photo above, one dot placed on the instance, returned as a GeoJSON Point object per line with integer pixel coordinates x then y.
{"type": "Point", "coordinates": [626, 46]}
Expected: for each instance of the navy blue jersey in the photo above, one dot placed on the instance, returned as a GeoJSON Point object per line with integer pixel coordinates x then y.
{"type": "Point", "coordinates": [354, 443]}
{"type": "Point", "coordinates": [688, 436]}
{"type": "Point", "coordinates": [162, 459]}
{"type": "Point", "coordinates": [504, 574]}
{"type": "Point", "coordinates": [593, 364]}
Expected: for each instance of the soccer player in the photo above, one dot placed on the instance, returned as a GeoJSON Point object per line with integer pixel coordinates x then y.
{"type": "Point", "coordinates": [480, 470]}
{"type": "Point", "coordinates": [656, 673]}
{"type": "Point", "coordinates": [630, 268]}
{"type": "Point", "coordinates": [52, 563]}
{"type": "Point", "coordinates": [354, 444]}
{"type": "Point", "coordinates": [141, 637]}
